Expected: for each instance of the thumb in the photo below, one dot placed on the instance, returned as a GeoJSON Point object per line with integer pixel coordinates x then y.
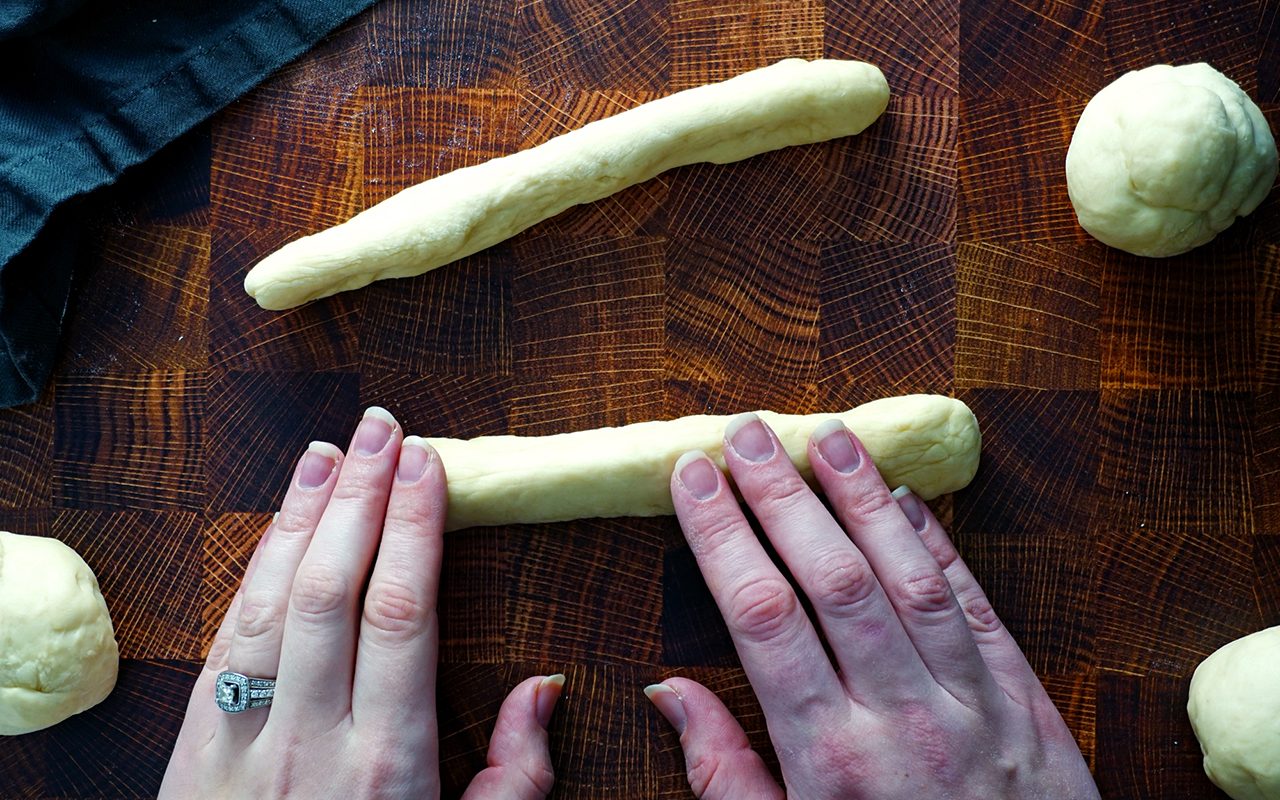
{"type": "Point", "coordinates": [718, 758]}
{"type": "Point", "coordinates": [519, 756]}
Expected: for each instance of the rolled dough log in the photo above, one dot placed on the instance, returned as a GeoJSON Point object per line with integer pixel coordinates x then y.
{"type": "Point", "coordinates": [927, 442]}
{"type": "Point", "coordinates": [462, 212]}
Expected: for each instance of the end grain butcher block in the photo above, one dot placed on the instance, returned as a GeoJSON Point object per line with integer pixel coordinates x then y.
{"type": "Point", "coordinates": [1123, 518]}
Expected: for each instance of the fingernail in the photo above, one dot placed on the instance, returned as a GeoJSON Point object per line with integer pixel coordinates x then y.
{"type": "Point", "coordinates": [547, 695]}
{"type": "Point", "coordinates": [374, 431]}
{"type": "Point", "coordinates": [415, 455]}
{"type": "Point", "coordinates": [749, 439]}
{"type": "Point", "coordinates": [698, 474]}
{"type": "Point", "coordinates": [911, 506]}
{"type": "Point", "coordinates": [275, 517]}
{"type": "Point", "coordinates": [317, 464]}
{"type": "Point", "coordinates": [669, 705]}
{"type": "Point", "coordinates": [834, 445]}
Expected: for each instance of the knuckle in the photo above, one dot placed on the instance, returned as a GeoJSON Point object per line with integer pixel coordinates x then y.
{"type": "Point", "coordinates": [784, 493]}
{"type": "Point", "coordinates": [926, 593]}
{"type": "Point", "coordinates": [763, 609]}
{"type": "Point", "coordinates": [701, 771]}
{"type": "Point", "coordinates": [420, 517]}
{"type": "Point", "coordinates": [980, 615]}
{"type": "Point", "coordinates": [868, 503]}
{"type": "Point", "coordinates": [538, 775]}
{"type": "Point", "coordinates": [259, 616]}
{"type": "Point", "coordinates": [320, 593]}
{"type": "Point", "coordinates": [845, 763]}
{"type": "Point", "coordinates": [940, 547]}
{"type": "Point", "coordinates": [396, 609]}
{"type": "Point", "coordinates": [842, 582]}
{"type": "Point", "coordinates": [219, 650]}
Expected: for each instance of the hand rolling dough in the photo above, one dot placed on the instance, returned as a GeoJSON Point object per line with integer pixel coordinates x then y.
{"type": "Point", "coordinates": [58, 652]}
{"type": "Point", "coordinates": [928, 442]}
{"type": "Point", "coordinates": [462, 212]}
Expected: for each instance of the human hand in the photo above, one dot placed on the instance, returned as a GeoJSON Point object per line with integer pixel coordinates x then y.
{"type": "Point", "coordinates": [354, 713]}
{"type": "Point", "coordinates": [929, 696]}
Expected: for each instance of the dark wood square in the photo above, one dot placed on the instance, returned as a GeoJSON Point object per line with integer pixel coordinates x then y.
{"type": "Point", "coordinates": [148, 566]}
{"type": "Point", "coordinates": [442, 44]}
{"type": "Point", "coordinates": [460, 406]}
{"type": "Point", "coordinates": [1042, 588]}
{"type": "Point", "coordinates": [25, 477]}
{"type": "Point", "coordinates": [713, 40]}
{"type": "Point", "coordinates": [612, 325]}
{"type": "Point", "coordinates": [1075, 695]}
{"type": "Point", "coordinates": [1266, 577]}
{"type": "Point", "coordinates": [914, 44]}
{"type": "Point", "coordinates": [1032, 51]}
{"type": "Point", "coordinates": [1146, 747]}
{"type": "Point", "coordinates": [1264, 463]}
{"type": "Point", "coordinates": [896, 180]}
{"type": "Point", "coordinates": [888, 316]}
{"type": "Point", "coordinates": [1186, 321]}
{"type": "Point", "coordinates": [1266, 369]}
{"type": "Point", "coordinates": [1028, 315]}
{"type": "Point", "coordinates": [733, 303]}
{"type": "Point", "coordinates": [1226, 35]}
{"type": "Point", "coordinates": [107, 734]}
{"type": "Point", "coordinates": [541, 405]}
{"type": "Point", "coordinates": [287, 162]}
{"type": "Point", "coordinates": [142, 302]}
{"type": "Point", "coordinates": [585, 587]}
{"type": "Point", "coordinates": [473, 615]}
{"type": "Point", "coordinates": [592, 45]}
{"type": "Point", "coordinates": [259, 426]}
{"type": "Point", "coordinates": [130, 441]}
{"type": "Point", "coordinates": [1012, 155]}
{"type": "Point", "coordinates": [1039, 464]}
{"type": "Point", "coordinates": [227, 544]}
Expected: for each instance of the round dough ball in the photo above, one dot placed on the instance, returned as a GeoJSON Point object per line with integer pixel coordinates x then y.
{"type": "Point", "coordinates": [1235, 710]}
{"type": "Point", "coordinates": [58, 652]}
{"type": "Point", "coordinates": [1165, 158]}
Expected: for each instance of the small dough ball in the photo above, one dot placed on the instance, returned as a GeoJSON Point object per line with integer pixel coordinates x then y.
{"type": "Point", "coordinates": [1235, 710]}
{"type": "Point", "coordinates": [58, 652]}
{"type": "Point", "coordinates": [1165, 158]}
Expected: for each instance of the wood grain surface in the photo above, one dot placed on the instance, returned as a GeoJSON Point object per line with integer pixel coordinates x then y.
{"type": "Point", "coordinates": [1124, 520]}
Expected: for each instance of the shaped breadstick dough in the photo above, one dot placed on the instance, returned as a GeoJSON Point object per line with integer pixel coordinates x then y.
{"type": "Point", "coordinates": [462, 212]}
{"type": "Point", "coordinates": [927, 442]}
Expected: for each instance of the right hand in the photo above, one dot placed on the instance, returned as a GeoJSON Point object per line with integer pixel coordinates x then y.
{"type": "Point", "coordinates": [929, 695]}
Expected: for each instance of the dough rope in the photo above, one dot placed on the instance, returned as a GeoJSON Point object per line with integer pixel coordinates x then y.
{"type": "Point", "coordinates": [462, 212]}
{"type": "Point", "coordinates": [930, 443]}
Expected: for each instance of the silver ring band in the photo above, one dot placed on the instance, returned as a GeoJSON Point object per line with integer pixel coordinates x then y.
{"type": "Point", "coordinates": [234, 692]}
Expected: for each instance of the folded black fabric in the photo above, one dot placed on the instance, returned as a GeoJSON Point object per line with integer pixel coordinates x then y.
{"type": "Point", "coordinates": [89, 90]}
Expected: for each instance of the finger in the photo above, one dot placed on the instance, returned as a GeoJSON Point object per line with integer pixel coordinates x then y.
{"type": "Point", "coordinates": [779, 647]}
{"type": "Point", "coordinates": [202, 714]}
{"type": "Point", "coordinates": [519, 760]}
{"type": "Point", "coordinates": [317, 658]}
{"type": "Point", "coordinates": [396, 657]}
{"type": "Point", "coordinates": [718, 758]}
{"type": "Point", "coordinates": [877, 660]}
{"type": "Point", "coordinates": [997, 646]}
{"type": "Point", "coordinates": [911, 578]}
{"type": "Point", "coordinates": [254, 648]}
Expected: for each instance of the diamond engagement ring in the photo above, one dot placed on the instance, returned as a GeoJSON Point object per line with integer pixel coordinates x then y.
{"type": "Point", "coordinates": [234, 692]}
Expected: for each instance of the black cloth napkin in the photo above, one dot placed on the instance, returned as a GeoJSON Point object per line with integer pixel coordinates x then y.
{"type": "Point", "coordinates": [88, 90]}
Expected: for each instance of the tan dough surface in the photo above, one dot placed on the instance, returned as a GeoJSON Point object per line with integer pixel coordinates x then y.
{"type": "Point", "coordinates": [928, 442]}
{"type": "Point", "coordinates": [462, 212]}
{"type": "Point", "coordinates": [58, 652]}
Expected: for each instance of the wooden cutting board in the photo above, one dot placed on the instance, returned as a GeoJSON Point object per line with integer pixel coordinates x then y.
{"type": "Point", "coordinates": [1124, 521]}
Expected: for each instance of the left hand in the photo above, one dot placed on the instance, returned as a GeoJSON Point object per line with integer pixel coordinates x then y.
{"type": "Point", "coordinates": [354, 713]}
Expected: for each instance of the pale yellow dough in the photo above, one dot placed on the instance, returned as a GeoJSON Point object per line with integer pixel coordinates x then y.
{"type": "Point", "coordinates": [462, 212]}
{"type": "Point", "coordinates": [927, 442]}
{"type": "Point", "coordinates": [58, 652]}
{"type": "Point", "coordinates": [1165, 158]}
{"type": "Point", "coordinates": [1234, 705]}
